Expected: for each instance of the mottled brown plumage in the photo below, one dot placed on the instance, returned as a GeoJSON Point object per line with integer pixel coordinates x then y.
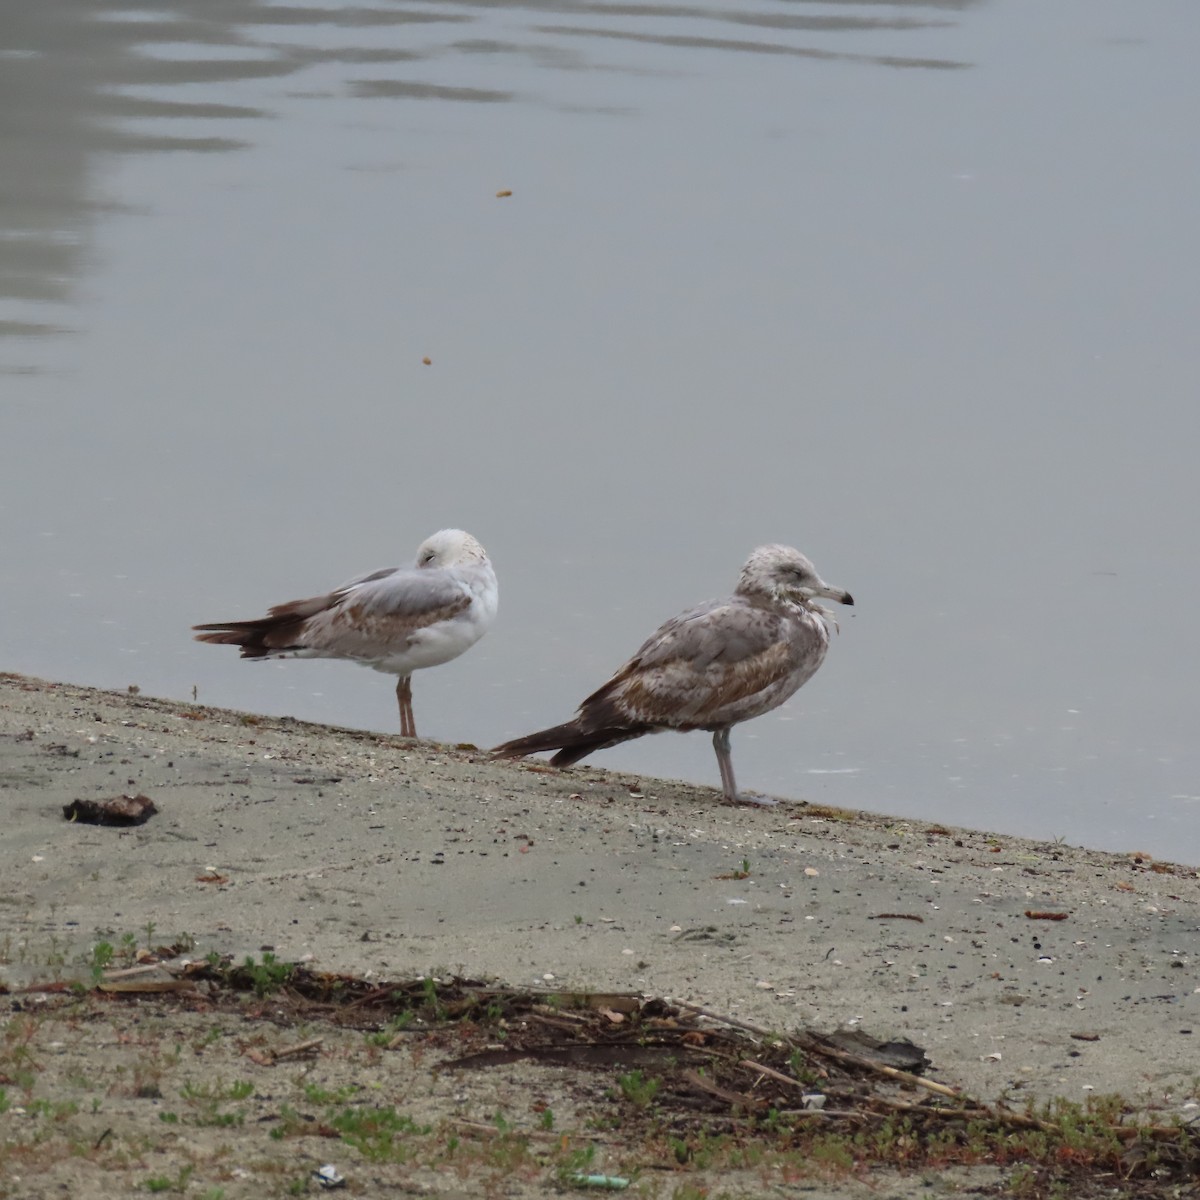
{"type": "Point", "coordinates": [709, 668]}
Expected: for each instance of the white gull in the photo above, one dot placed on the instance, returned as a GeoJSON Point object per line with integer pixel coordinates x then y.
{"type": "Point", "coordinates": [397, 620]}
{"type": "Point", "coordinates": [709, 668]}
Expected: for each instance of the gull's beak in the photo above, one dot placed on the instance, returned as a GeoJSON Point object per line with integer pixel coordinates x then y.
{"type": "Point", "coordinates": [832, 593]}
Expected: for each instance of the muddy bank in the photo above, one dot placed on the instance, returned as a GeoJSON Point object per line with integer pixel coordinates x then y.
{"type": "Point", "coordinates": [365, 854]}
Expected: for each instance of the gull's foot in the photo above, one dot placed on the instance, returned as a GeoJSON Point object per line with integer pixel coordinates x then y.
{"type": "Point", "coordinates": [752, 800]}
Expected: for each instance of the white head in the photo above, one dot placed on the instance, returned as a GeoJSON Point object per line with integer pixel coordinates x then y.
{"type": "Point", "coordinates": [450, 548]}
{"type": "Point", "coordinates": [782, 573]}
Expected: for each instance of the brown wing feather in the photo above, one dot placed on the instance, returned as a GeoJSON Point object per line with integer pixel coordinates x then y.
{"type": "Point", "coordinates": [281, 628]}
{"type": "Point", "coordinates": [258, 638]}
{"type": "Point", "coordinates": [572, 741]}
{"type": "Point", "coordinates": [697, 667]}
{"type": "Point", "coordinates": [680, 695]}
{"type": "Point", "coordinates": [359, 630]}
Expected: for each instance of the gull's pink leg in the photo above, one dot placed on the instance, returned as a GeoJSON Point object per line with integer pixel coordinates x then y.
{"type": "Point", "coordinates": [408, 724]}
{"type": "Point", "coordinates": [728, 786]}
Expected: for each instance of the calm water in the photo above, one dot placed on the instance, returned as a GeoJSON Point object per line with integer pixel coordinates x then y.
{"type": "Point", "coordinates": [911, 286]}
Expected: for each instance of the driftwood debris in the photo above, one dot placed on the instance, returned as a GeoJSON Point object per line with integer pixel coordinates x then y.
{"type": "Point", "coordinates": [688, 1074]}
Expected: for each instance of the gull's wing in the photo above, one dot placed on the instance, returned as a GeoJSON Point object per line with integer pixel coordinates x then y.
{"type": "Point", "coordinates": [701, 662]}
{"type": "Point", "coordinates": [369, 577]}
{"type": "Point", "coordinates": [297, 610]}
{"type": "Point", "coordinates": [383, 610]}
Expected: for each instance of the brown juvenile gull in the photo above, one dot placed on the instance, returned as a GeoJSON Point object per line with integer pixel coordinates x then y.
{"type": "Point", "coordinates": [710, 668]}
{"type": "Point", "coordinates": [397, 620]}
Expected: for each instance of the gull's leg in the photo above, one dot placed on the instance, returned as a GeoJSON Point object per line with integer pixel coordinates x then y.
{"type": "Point", "coordinates": [725, 763]}
{"type": "Point", "coordinates": [728, 786]}
{"type": "Point", "coordinates": [408, 725]}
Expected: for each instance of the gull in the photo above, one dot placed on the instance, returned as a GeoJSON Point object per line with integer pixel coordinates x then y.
{"type": "Point", "coordinates": [709, 668]}
{"type": "Point", "coordinates": [397, 620]}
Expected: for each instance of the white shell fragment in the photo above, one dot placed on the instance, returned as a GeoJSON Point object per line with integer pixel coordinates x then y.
{"type": "Point", "coordinates": [329, 1176]}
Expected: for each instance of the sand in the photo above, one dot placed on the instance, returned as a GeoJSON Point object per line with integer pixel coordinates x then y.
{"type": "Point", "coordinates": [362, 853]}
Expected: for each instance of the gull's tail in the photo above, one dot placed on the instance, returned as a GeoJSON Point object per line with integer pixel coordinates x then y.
{"type": "Point", "coordinates": [251, 636]}
{"type": "Point", "coordinates": [574, 740]}
{"type": "Point", "coordinates": [281, 631]}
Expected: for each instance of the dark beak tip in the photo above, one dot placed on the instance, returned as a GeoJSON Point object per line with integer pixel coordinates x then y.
{"type": "Point", "coordinates": [848, 599]}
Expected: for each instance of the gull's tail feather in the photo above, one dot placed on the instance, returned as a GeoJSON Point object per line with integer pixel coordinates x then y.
{"type": "Point", "coordinates": [257, 639]}
{"type": "Point", "coordinates": [573, 740]}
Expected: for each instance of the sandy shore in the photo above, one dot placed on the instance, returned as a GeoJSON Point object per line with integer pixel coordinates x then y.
{"type": "Point", "coordinates": [364, 853]}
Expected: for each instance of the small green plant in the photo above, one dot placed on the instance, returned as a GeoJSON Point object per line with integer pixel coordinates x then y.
{"type": "Point", "coordinates": [832, 1151]}
{"type": "Point", "coordinates": [1023, 1182]}
{"type": "Point", "coordinates": [689, 1191]}
{"type": "Point", "coordinates": [100, 960]}
{"type": "Point", "coordinates": [164, 1183]}
{"type": "Point", "coordinates": [315, 1094]}
{"type": "Point", "coordinates": [398, 1024]}
{"type": "Point", "coordinates": [215, 1034]}
{"type": "Point", "coordinates": [207, 1101]}
{"type": "Point", "coordinates": [576, 1162]}
{"type": "Point", "coordinates": [269, 975]}
{"type": "Point", "coordinates": [56, 956]}
{"type": "Point", "coordinates": [290, 1124]}
{"type": "Point", "coordinates": [638, 1089]}
{"type": "Point", "coordinates": [378, 1134]}
{"type": "Point", "coordinates": [509, 1152]}
{"type": "Point", "coordinates": [437, 1010]}
{"type": "Point", "coordinates": [546, 1120]}
{"type": "Point", "coordinates": [54, 1110]}
{"type": "Point", "coordinates": [802, 1069]}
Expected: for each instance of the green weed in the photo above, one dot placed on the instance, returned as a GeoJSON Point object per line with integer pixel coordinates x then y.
{"type": "Point", "coordinates": [269, 975]}
{"type": "Point", "coordinates": [638, 1089]}
{"type": "Point", "coordinates": [378, 1134]}
{"type": "Point", "coordinates": [165, 1183]}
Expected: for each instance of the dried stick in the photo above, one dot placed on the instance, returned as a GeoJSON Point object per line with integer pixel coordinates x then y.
{"type": "Point", "coordinates": [770, 1071]}
{"type": "Point", "coordinates": [858, 1060]}
{"type": "Point", "coordinates": [704, 1012]}
{"type": "Point", "coordinates": [298, 1048]}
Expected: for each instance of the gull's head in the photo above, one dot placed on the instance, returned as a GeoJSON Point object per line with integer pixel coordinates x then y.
{"type": "Point", "coordinates": [785, 574]}
{"type": "Point", "coordinates": [450, 548]}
